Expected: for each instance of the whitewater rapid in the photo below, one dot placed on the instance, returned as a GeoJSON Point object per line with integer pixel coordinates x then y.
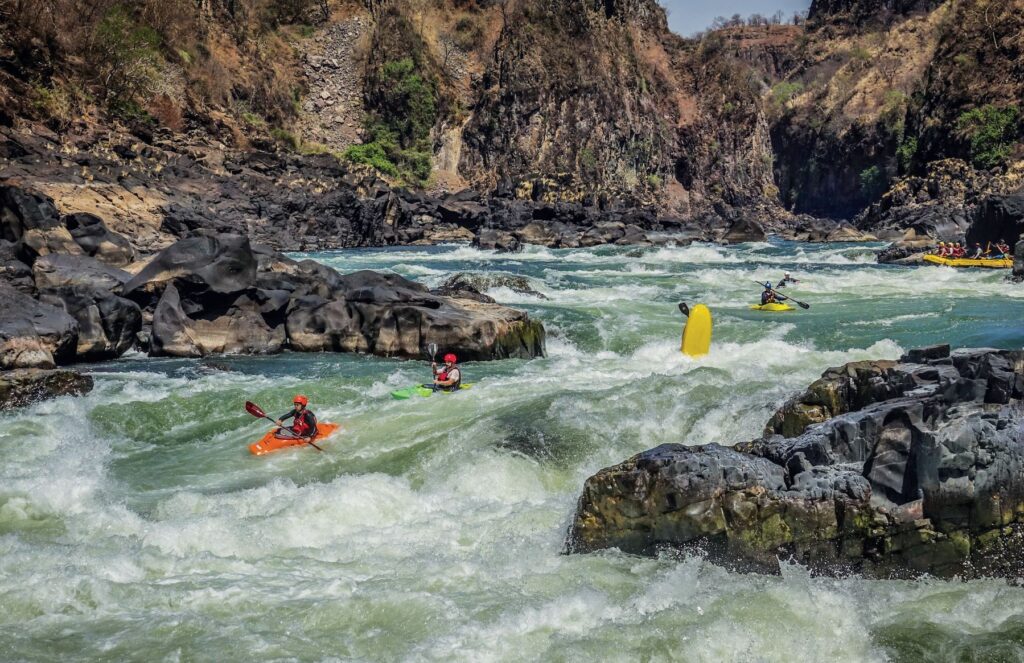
{"type": "Point", "coordinates": [134, 525]}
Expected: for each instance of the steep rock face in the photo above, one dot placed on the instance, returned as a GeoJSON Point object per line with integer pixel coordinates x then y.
{"type": "Point", "coordinates": [882, 467]}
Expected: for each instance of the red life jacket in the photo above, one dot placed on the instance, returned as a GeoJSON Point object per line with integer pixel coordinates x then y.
{"type": "Point", "coordinates": [301, 424]}
{"type": "Point", "coordinates": [443, 375]}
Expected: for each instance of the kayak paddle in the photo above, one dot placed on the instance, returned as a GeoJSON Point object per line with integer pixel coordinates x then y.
{"type": "Point", "coordinates": [257, 412]}
{"type": "Point", "coordinates": [684, 309]}
{"type": "Point", "coordinates": [785, 297]}
{"type": "Point", "coordinates": [432, 349]}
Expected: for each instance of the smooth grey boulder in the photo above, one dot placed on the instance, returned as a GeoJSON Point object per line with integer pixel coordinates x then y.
{"type": "Point", "coordinates": [221, 264]}
{"type": "Point", "coordinates": [107, 324]}
{"type": "Point", "coordinates": [98, 241]}
{"type": "Point", "coordinates": [55, 271]}
{"type": "Point", "coordinates": [34, 334]}
{"type": "Point", "coordinates": [183, 328]}
{"type": "Point", "coordinates": [31, 221]}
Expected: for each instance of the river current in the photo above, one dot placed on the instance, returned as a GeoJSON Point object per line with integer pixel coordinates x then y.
{"type": "Point", "coordinates": [135, 525]}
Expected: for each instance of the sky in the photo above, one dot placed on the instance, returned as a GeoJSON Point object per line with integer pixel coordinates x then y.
{"type": "Point", "coordinates": [688, 16]}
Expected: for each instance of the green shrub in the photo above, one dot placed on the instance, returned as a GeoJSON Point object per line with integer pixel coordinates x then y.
{"type": "Point", "coordinates": [407, 109]}
{"type": "Point", "coordinates": [127, 56]}
{"type": "Point", "coordinates": [372, 154]}
{"type": "Point", "coordinates": [654, 181]}
{"type": "Point", "coordinates": [991, 131]}
{"type": "Point", "coordinates": [872, 182]}
{"type": "Point", "coordinates": [286, 137]}
{"type": "Point", "coordinates": [905, 153]}
{"type": "Point", "coordinates": [784, 91]}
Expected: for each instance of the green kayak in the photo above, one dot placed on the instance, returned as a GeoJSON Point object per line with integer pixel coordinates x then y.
{"type": "Point", "coordinates": [420, 390]}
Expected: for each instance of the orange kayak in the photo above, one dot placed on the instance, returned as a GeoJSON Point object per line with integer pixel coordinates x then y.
{"type": "Point", "coordinates": [269, 443]}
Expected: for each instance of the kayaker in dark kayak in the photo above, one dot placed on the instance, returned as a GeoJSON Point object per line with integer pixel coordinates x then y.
{"type": "Point", "coordinates": [768, 296]}
{"type": "Point", "coordinates": [447, 377]}
{"type": "Point", "coordinates": [304, 423]}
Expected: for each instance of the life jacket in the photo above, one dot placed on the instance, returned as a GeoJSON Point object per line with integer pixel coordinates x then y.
{"type": "Point", "coordinates": [443, 375]}
{"type": "Point", "coordinates": [302, 426]}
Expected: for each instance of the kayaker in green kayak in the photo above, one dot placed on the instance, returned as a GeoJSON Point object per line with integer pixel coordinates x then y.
{"type": "Point", "coordinates": [447, 377]}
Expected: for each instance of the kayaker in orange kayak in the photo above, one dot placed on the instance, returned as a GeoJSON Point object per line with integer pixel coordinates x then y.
{"type": "Point", "coordinates": [304, 421]}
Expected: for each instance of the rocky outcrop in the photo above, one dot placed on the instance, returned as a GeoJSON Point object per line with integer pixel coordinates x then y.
{"type": "Point", "coordinates": [1018, 262]}
{"type": "Point", "coordinates": [216, 294]}
{"type": "Point", "coordinates": [885, 468]}
{"type": "Point", "coordinates": [28, 385]}
{"type": "Point", "coordinates": [34, 334]}
{"type": "Point", "coordinates": [107, 324]}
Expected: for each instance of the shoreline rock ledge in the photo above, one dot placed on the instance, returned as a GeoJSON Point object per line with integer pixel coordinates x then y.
{"type": "Point", "coordinates": [889, 469]}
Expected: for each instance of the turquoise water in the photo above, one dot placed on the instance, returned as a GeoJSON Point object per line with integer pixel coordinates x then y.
{"type": "Point", "coordinates": [134, 525]}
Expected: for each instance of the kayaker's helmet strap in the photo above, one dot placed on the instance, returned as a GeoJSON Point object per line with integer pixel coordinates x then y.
{"type": "Point", "coordinates": [450, 358]}
{"type": "Point", "coordinates": [300, 400]}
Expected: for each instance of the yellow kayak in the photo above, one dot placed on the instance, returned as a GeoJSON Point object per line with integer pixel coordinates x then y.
{"type": "Point", "coordinates": [992, 263]}
{"type": "Point", "coordinates": [772, 307]}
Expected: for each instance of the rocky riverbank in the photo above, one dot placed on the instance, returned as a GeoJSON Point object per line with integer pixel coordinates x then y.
{"type": "Point", "coordinates": [75, 290]}
{"type": "Point", "coordinates": [883, 468]}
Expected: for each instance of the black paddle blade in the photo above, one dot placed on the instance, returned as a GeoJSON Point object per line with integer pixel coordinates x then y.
{"type": "Point", "coordinates": [254, 410]}
{"type": "Point", "coordinates": [684, 309]}
{"type": "Point", "coordinates": [802, 305]}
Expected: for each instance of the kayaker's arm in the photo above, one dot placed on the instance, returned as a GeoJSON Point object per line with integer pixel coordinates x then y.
{"type": "Point", "coordinates": [289, 415]}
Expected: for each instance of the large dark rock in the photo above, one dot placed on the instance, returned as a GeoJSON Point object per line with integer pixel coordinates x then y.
{"type": "Point", "coordinates": [998, 218]}
{"type": "Point", "coordinates": [232, 325]}
{"type": "Point", "coordinates": [107, 324]}
{"type": "Point", "coordinates": [744, 230]}
{"type": "Point", "coordinates": [31, 221]}
{"type": "Point", "coordinates": [13, 270]}
{"type": "Point", "coordinates": [55, 271]}
{"type": "Point", "coordinates": [390, 316]}
{"type": "Point", "coordinates": [98, 241]}
{"type": "Point", "coordinates": [886, 468]}
{"type": "Point", "coordinates": [220, 264]}
{"type": "Point", "coordinates": [28, 385]}
{"type": "Point", "coordinates": [34, 334]}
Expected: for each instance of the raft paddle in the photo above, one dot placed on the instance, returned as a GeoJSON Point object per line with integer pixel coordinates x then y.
{"type": "Point", "coordinates": [257, 412]}
{"type": "Point", "coordinates": [785, 297]}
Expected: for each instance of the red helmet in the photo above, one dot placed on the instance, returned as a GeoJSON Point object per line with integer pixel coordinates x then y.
{"type": "Point", "coordinates": [300, 400]}
{"type": "Point", "coordinates": [450, 358]}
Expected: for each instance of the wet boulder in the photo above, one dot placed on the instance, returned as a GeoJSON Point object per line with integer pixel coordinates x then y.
{"type": "Point", "coordinates": [744, 229]}
{"type": "Point", "coordinates": [491, 239]}
{"type": "Point", "coordinates": [55, 271]}
{"type": "Point", "coordinates": [184, 327]}
{"type": "Point", "coordinates": [107, 324]}
{"type": "Point", "coordinates": [98, 241]}
{"type": "Point", "coordinates": [904, 468]}
{"type": "Point", "coordinates": [34, 334]}
{"type": "Point", "coordinates": [388, 315]}
{"type": "Point", "coordinates": [25, 386]}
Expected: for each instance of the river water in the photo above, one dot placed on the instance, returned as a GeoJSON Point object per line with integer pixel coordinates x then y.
{"type": "Point", "coordinates": [134, 524]}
